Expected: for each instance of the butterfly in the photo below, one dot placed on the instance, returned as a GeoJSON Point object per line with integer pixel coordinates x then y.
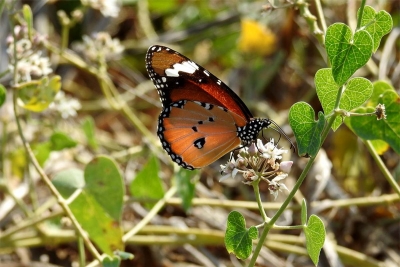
{"type": "Point", "coordinates": [202, 119]}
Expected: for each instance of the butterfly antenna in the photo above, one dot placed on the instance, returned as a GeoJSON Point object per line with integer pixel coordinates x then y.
{"type": "Point", "coordinates": [281, 132]}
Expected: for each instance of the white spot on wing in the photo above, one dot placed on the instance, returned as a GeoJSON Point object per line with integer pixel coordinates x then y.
{"type": "Point", "coordinates": [186, 66]}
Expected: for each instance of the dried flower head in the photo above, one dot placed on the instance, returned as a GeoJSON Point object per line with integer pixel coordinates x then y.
{"type": "Point", "coordinates": [259, 161]}
{"type": "Point", "coordinates": [380, 112]}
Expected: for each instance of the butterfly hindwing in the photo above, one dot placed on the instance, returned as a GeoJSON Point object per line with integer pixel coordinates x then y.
{"type": "Point", "coordinates": [196, 134]}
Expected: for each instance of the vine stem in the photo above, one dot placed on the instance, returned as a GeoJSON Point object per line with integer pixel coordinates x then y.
{"type": "Point", "coordinates": [359, 19]}
{"type": "Point", "coordinates": [382, 167]}
{"type": "Point", "coordinates": [50, 185]}
{"type": "Point", "coordinates": [270, 224]}
{"type": "Point", "coordinates": [321, 15]}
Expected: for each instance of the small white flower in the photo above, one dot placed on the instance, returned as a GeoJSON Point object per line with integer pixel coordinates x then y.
{"type": "Point", "coordinates": [270, 150]}
{"type": "Point", "coordinates": [65, 105]}
{"type": "Point", "coordinates": [27, 58]}
{"type": "Point", "coordinates": [275, 187]}
{"type": "Point", "coordinates": [109, 8]}
{"type": "Point", "coordinates": [229, 169]}
{"type": "Point", "coordinates": [100, 47]}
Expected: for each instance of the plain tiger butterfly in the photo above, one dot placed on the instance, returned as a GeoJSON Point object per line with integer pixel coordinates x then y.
{"type": "Point", "coordinates": [202, 118]}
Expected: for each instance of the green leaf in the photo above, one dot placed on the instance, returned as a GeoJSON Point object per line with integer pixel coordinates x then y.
{"type": "Point", "coordinates": [105, 232]}
{"type": "Point", "coordinates": [356, 92]}
{"type": "Point", "coordinates": [111, 261]}
{"type": "Point", "coordinates": [238, 239]}
{"type": "Point", "coordinates": [376, 24]}
{"type": "Point", "coordinates": [98, 206]}
{"type": "Point", "coordinates": [60, 140]}
{"type": "Point", "coordinates": [147, 185]}
{"type": "Point", "coordinates": [315, 237]}
{"type": "Point", "coordinates": [388, 130]}
{"type": "Point", "coordinates": [67, 181]}
{"type": "Point", "coordinates": [186, 186]}
{"type": "Point", "coordinates": [345, 52]}
{"type": "Point", "coordinates": [38, 95]}
{"type": "Point", "coordinates": [303, 212]}
{"type": "Point", "coordinates": [42, 151]}
{"type": "Point", "coordinates": [327, 91]}
{"type": "Point", "coordinates": [3, 93]}
{"type": "Point", "coordinates": [380, 146]}
{"type": "Point", "coordinates": [380, 87]}
{"type": "Point", "coordinates": [88, 127]}
{"type": "Point", "coordinates": [306, 130]}
{"type": "Point", "coordinates": [105, 183]}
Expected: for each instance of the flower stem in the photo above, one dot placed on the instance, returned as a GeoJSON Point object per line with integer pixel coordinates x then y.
{"type": "Point", "coordinates": [259, 201]}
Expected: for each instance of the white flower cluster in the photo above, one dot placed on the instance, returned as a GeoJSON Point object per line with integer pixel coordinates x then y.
{"type": "Point", "coordinates": [109, 8]}
{"type": "Point", "coordinates": [27, 58]}
{"type": "Point", "coordinates": [100, 47]}
{"type": "Point", "coordinates": [65, 105]}
{"type": "Point", "coordinates": [260, 162]}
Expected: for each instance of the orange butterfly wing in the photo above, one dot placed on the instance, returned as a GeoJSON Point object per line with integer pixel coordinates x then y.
{"type": "Point", "coordinates": [198, 135]}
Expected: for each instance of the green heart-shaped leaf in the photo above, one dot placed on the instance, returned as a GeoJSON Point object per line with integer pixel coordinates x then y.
{"type": "Point", "coordinates": [315, 237]}
{"type": "Point", "coordinates": [306, 130]}
{"type": "Point", "coordinates": [98, 206]}
{"type": "Point", "coordinates": [347, 53]}
{"type": "Point", "coordinates": [380, 87]}
{"type": "Point", "coordinates": [388, 130]}
{"type": "Point", "coordinates": [105, 183]}
{"type": "Point", "coordinates": [377, 24]}
{"type": "Point", "coordinates": [238, 239]}
{"type": "Point", "coordinates": [111, 261]}
{"type": "Point", "coordinates": [356, 92]}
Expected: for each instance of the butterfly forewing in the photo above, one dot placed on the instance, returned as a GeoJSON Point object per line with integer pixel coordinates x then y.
{"type": "Point", "coordinates": [178, 78]}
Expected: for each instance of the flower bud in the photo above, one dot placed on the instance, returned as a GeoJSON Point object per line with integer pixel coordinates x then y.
{"type": "Point", "coordinates": [285, 166]}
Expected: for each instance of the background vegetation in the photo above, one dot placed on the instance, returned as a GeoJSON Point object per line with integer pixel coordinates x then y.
{"type": "Point", "coordinates": [104, 104]}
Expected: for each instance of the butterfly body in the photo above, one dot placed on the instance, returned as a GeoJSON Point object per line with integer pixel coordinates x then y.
{"type": "Point", "coordinates": [202, 118]}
